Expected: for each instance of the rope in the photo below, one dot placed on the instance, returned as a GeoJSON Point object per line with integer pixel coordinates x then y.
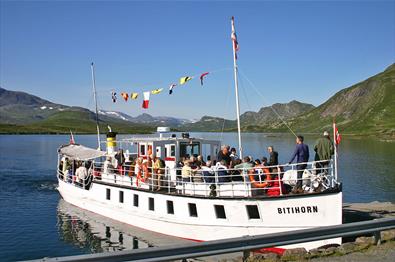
{"type": "Point", "coordinates": [223, 123]}
{"type": "Point", "coordinates": [260, 94]}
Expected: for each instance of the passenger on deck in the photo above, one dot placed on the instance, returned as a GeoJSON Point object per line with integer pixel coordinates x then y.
{"type": "Point", "coordinates": [128, 166]}
{"type": "Point", "coordinates": [200, 161]}
{"type": "Point", "coordinates": [257, 162]}
{"type": "Point", "coordinates": [301, 154]}
{"type": "Point", "coordinates": [159, 170]}
{"type": "Point", "coordinates": [81, 173]}
{"type": "Point", "coordinates": [323, 152]}
{"type": "Point", "coordinates": [233, 154]}
{"type": "Point", "coordinates": [245, 165]}
{"type": "Point", "coordinates": [208, 173]}
{"type": "Point", "coordinates": [273, 156]}
{"type": "Point", "coordinates": [186, 171]}
{"type": "Point", "coordinates": [274, 183]}
{"type": "Point", "coordinates": [224, 154]}
{"type": "Point", "coordinates": [138, 167]}
{"type": "Point", "coordinates": [222, 173]}
{"type": "Point", "coordinates": [108, 166]}
{"type": "Point", "coordinates": [264, 161]}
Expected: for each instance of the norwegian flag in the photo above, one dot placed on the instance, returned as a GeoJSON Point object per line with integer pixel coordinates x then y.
{"type": "Point", "coordinates": [234, 38]}
{"type": "Point", "coordinates": [72, 142]}
{"type": "Point", "coordinates": [337, 135]}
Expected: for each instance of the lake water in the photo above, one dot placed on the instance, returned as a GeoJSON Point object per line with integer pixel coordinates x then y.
{"type": "Point", "coordinates": [36, 223]}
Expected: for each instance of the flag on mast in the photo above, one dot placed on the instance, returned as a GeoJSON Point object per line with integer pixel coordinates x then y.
{"type": "Point", "coordinates": [338, 137]}
{"type": "Point", "coordinates": [146, 99]}
{"type": "Point", "coordinates": [72, 142]}
{"type": "Point", "coordinates": [234, 38]}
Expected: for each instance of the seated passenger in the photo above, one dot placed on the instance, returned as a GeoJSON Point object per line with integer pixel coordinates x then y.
{"type": "Point", "coordinates": [128, 166]}
{"type": "Point", "coordinates": [222, 172]}
{"type": "Point", "coordinates": [186, 172]}
{"type": "Point", "coordinates": [200, 161]}
{"type": "Point", "coordinates": [274, 183]}
{"type": "Point", "coordinates": [81, 173]}
{"type": "Point", "coordinates": [208, 173]}
{"type": "Point", "coordinates": [245, 165]}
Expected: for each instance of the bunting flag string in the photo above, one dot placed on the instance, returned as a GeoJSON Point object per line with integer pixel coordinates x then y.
{"type": "Point", "coordinates": [201, 78]}
{"type": "Point", "coordinates": [125, 96]}
{"type": "Point", "coordinates": [146, 94]}
{"type": "Point", "coordinates": [185, 79]}
{"type": "Point", "coordinates": [114, 96]}
{"type": "Point", "coordinates": [156, 91]}
{"type": "Point", "coordinates": [171, 88]}
{"type": "Point", "coordinates": [146, 100]}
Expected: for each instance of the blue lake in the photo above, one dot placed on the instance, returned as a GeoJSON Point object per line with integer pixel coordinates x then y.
{"type": "Point", "coordinates": [36, 223]}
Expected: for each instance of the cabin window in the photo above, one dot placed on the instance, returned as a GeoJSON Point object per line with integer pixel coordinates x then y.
{"type": "Point", "coordinates": [192, 210]}
{"type": "Point", "coordinates": [220, 211]}
{"type": "Point", "coordinates": [151, 204]}
{"type": "Point", "coordinates": [120, 196]}
{"type": "Point", "coordinates": [253, 212]}
{"type": "Point", "coordinates": [135, 200]}
{"type": "Point", "coordinates": [142, 149]}
{"type": "Point", "coordinates": [170, 207]}
{"type": "Point", "coordinates": [189, 149]}
{"type": "Point", "coordinates": [173, 150]}
{"type": "Point", "coordinates": [108, 193]}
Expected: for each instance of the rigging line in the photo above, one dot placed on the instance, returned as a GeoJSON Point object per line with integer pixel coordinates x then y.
{"type": "Point", "coordinates": [260, 94]}
{"type": "Point", "coordinates": [223, 123]}
{"type": "Point", "coordinates": [245, 94]}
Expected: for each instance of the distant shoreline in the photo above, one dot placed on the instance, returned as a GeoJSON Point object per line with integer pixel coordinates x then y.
{"type": "Point", "coordinates": [384, 138]}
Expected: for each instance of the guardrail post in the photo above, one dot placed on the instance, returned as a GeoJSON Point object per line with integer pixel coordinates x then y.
{"type": "Point", "coordinates": [246, 254]}
{"type": "Point", "coordinates": [377, 238]}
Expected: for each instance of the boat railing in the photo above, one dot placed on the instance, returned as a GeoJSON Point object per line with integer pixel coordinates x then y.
{"type": "Point", "coordinates": [217, 181]}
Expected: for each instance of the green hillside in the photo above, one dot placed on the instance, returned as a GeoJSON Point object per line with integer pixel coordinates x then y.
{"type": "Point", "coordinates": [366, 108]}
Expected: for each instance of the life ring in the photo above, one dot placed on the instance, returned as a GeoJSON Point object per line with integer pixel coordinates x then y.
{"type": "Point", "coordinates": [256, 184]}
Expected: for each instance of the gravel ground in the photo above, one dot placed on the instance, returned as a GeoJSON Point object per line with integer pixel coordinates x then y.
{"type": "Point", "coordinates": [383, 253]}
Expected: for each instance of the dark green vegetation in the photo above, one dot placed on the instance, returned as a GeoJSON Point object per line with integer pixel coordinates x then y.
{"type": "Point", "coordinates": [366, 108]}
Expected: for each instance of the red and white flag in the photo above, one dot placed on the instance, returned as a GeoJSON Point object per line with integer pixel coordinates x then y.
{"type": "Point", "coordinates": [146, 99]}
{"type": "Point", "coordinates": [234, 38]}
{"type": "Point", "coordinates": [337, 136]}
{"type": "Point", "coordinates": [72, 142]}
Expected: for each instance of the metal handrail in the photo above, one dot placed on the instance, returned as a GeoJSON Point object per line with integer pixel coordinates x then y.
{"type": "Point", "coordinates": [197, 178]}
{"type": "Point", "coordinates": [240, 244]}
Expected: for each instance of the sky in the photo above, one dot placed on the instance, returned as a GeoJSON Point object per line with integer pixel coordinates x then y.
{"type": "Point", "coordinates": [289, 50]}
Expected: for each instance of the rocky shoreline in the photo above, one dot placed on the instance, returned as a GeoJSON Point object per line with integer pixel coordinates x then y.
{"type": "Point", "coordinates": [369, 247]}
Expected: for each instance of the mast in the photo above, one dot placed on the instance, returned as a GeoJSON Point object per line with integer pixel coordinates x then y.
{"type": "Point", "coordinates": [335, 148]}
{"type": "Point", "coordinates": [96, 111]}
{"type": "Point", "coordinates": [235, 47]}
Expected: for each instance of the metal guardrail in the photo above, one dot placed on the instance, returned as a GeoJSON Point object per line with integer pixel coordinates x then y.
{"type": "Point", "coordinates": [240, 244]}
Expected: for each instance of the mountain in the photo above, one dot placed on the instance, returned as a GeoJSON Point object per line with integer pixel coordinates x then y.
{"type": "Point", "coordinates": [267, 114]}
{"type": "Point", "coordinates": [366, 108]}
{"type": "Point", "coordinates": [25, 113]}
{"type": "Point", "coordinates": [147, 119]}
{"type": "Point", "coordinates": [251, 121]}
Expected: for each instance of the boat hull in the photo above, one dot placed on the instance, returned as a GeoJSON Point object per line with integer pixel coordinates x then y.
{"type": "Point", "coordinates": [275, 214]}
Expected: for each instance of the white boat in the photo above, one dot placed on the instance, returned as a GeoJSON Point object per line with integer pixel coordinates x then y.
{"type": "Point", "coordinates": [200, 208]}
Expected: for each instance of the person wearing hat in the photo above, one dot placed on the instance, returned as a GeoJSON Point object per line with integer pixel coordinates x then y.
{"type": "Point", "coordinates": [323, 152]}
